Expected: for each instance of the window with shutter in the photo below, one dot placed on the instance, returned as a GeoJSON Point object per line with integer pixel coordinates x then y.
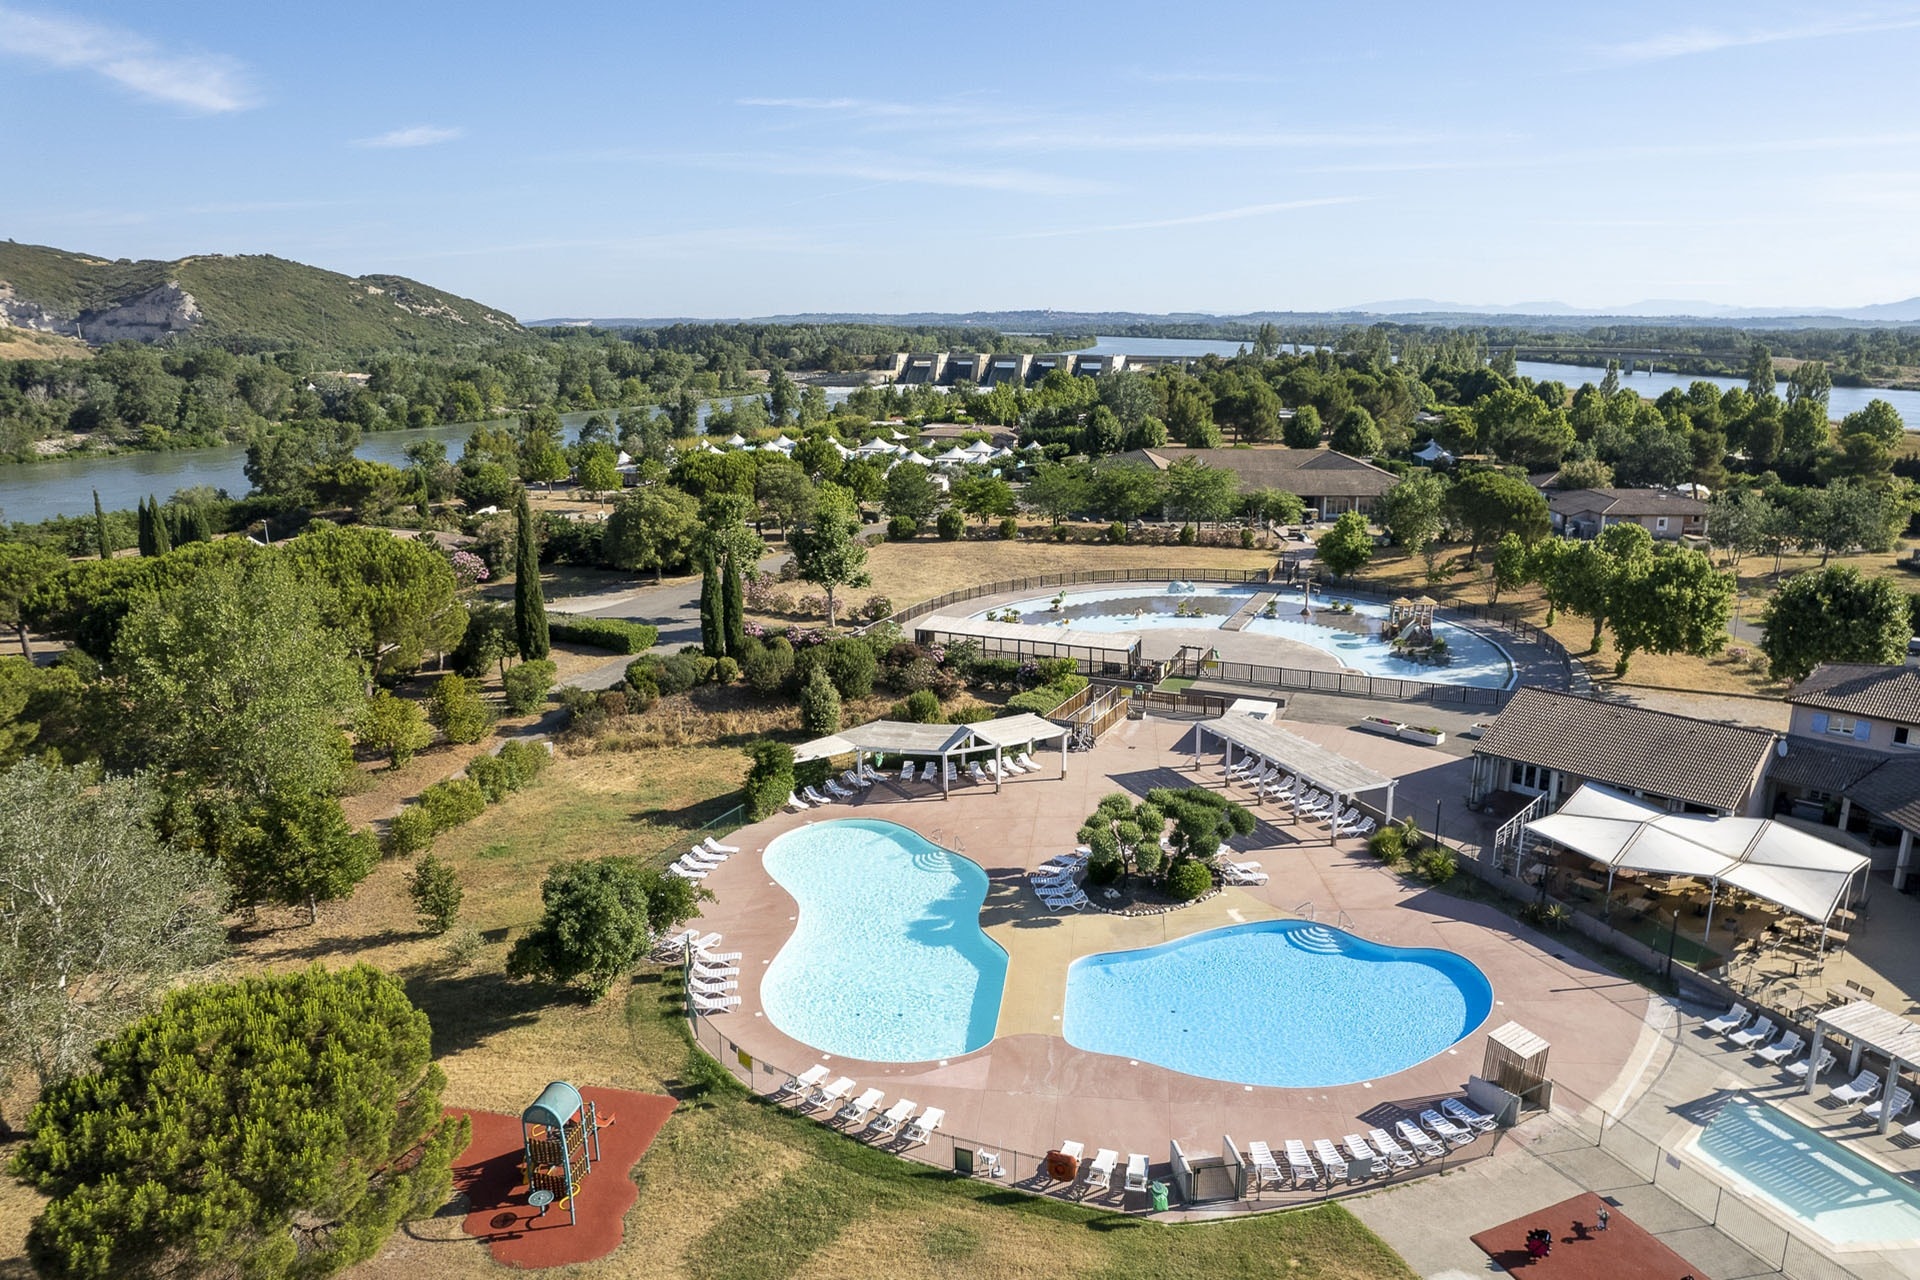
{"type": "Point", "coordinates": [1819, 722]}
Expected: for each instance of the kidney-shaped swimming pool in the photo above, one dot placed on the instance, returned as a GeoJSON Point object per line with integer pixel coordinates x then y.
{"type": "Point", "coordinates": [1287, 1003]}
{"type": "Point", "coordinates": [887, 962]}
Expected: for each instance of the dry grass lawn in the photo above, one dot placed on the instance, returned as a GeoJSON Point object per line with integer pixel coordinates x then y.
{"type": "Point", "coordinates": [909, 572]}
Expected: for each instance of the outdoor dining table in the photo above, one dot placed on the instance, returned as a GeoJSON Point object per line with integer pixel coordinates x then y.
{"type": "Point", "coordinates": [1588, 882]}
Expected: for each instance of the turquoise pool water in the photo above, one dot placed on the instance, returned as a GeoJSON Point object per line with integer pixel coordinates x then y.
{"type": "Point", "coordinates": [1842, 1196]}
{"type": "Point", "coordinates": [1287, 1003]}
{"type": "Point", "coordinates": [887, 961]}
{"type": "Point", "coordinates": [1152, 607]}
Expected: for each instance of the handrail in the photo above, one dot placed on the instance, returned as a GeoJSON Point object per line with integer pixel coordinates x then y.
{"type": "Point", "coordinates": [1306, 909]}
{"type": "Point", "coordinates": [1344, 921]}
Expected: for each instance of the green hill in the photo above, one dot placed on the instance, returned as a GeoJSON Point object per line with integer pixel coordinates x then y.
{"type": "Point", "coordinates": [246, 299]}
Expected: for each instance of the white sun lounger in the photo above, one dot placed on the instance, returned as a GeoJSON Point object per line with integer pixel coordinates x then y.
{"type": "Point", "coordinates": [1246, 766]}
{"type": "Point", "coordinates": [1300, 1167]}
{"type": "Point", "coordinates": [854, 778]}
{"type": "Point", "coordinates": [1027, 763]}
{"type": "Point", "coordinates": [715, 990]}
{"type": "Point", "coordinates": [813, 797]}
{"type": "Point", "coordinates": [1789, 1043]}
{"type": "Point", "coordinates": [888, 1122]}
{"type": "Point", "coordinates": [795, 803]}
{"type": "Point", "coordinates": [1330, 1159]}
{"type": "Point", "coordinates": [1136, 1171]}
{"type": "Point", "coordinates": [1423, 1144]}
{"type": "Point", "coordinates": [829, 1095]}
{"type": "Point", "coordinates": [857, 1111]}
{"type": "Point", "coordinates": [1435, 1123]}
{"type": "Point", "coordinates": [1798, 1067]}
{"type": "Point", "coordinates": [1266, 1169]}
{"type": "Point", "coordinates": [1859, 1089]}
{"type": "Point", "coordinates": [975, 772]}
{"type": "Point", "coordinates": [1099, 1173]}
{"type": "Point", "coordinates": [1362, 1154]}
{"type": "Point", "coordinates": [714, 846]}
{"type": "Point", "coordinates": [1235, 875]}
{"type": "Point", "coordinates": [1397, 1156]}
{"type": "Point", "coordinates": [707, 967]}
{"type": "Point", "coordinates": [674, 945]}
{"type": "Point", "coordinates": [837, 791]}
{"type": "Point", "coordinates": [705, 856]}
{"type": "Point", "coordinates": [714, 1004]}
{"type": "Point", "coordinates": [719, 957]}
{"type": "Point", "coordinates": [1754, 1036]}
{"type": "Point", "coordinates": [922, 1129]}
{"type": "Point", "coordinates": [906, 771]}
{"type": "Point", "coordinates": [1478, 1121]}
{"type": "Point", "coordinates": [706, 942]}
{"type": "Point", "coordinates": [1902, 1103]}
{"type": "Point", "coordinates": [1732, 1020]}
{"type": "Point", "coordinates": [689, 873]}
{"type": "Point", "coordinates": [1074, 902]}
{"type": "Point", "coordinates": [804, 1081]}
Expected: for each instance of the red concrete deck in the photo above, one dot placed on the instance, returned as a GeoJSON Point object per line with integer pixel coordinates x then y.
{"type": "Point", "coordinates": [489, 1175]}
{"type": "Point", "coordinates": [1029, 1089]}
{"type": "Point", "coordinates": [1623, 1250]}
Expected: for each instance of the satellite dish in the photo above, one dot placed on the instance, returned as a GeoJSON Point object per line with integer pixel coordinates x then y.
{"type": "Point", "coordinates": [1780, 748]}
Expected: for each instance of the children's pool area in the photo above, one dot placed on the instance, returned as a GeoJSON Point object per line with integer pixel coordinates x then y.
{"type": "Point", "coordinates": [1844, 1198]}
{"type": "Point", "coordinates": [1285, 1003]}
{"type": "Point", "coordinates": [1473, 659]}
{"type": "Point", "coordinates": [887, 961]}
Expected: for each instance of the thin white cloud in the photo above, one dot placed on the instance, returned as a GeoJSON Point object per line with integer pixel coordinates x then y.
{"type": "Point", "coordinates": [199, 82]}
{"type": "Point", "coordinates": [1690, 41]}
{"type": "Point", "coordinates": [419, 135]}
{"type": "Point", "coordinates": [1194, 219]}
{"type": "Point", "coordinates": [886, 171]}
{"type": "Point", "coordinates": [1202, 77]}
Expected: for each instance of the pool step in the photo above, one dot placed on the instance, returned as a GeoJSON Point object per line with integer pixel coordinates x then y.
{"type": "Point", "coordinates": [1316, 938]}
{"type": "Point", "coordinates": [1249, 611]}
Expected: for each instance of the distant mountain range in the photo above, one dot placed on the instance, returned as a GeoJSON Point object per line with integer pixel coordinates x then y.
{"type": "Point", "coordinates": [1544, 315]}
{"type": "Point", "coordinates": [255, 298]}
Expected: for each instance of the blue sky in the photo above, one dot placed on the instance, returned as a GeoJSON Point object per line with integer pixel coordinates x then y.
{"type": "Point", "coordinates": [715, 159]}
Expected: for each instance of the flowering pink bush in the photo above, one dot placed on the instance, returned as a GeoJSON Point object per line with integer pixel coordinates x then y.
{"type": "Point", "coordinates": [468, 568]}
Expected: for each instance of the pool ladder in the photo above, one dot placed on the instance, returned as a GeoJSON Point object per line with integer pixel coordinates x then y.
{"type": "Point", "coordinates": [1311, 913]}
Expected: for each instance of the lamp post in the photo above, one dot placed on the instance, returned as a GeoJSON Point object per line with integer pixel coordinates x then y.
{"type": "Point", "coordinates": [1673, 932]}
{"type": "Point", "coordinates": [1436, 822]}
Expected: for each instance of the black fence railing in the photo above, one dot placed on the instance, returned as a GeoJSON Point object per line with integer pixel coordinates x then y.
{"type": "Point", "coordinates": [1075, 578]}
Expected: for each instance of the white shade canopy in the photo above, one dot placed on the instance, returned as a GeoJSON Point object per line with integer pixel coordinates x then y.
{"type": "Point", "coordinates": [1783, 864]}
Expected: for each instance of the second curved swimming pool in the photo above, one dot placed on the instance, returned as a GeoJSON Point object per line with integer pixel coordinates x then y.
{"type": "Point", "coordinates": [1287, 1003]}
{"type": "Point", "coordinates": [887, 962]}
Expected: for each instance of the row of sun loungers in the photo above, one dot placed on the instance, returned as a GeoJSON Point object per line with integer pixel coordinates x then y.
{"type": "Point", "coordinates": [712, 975]}
{"type": "Point", "coordinates": [861, 1114]}
{"type": "Point", "coordinates": [832, 791]}
{"type": "Point", "coordinates": [697, 862]}
{"type": "Point", "coordinates": [1088, 1176]}
{"type": "Point", "coordinates": [1375, 1154]}
{"type": "Point", "coordinates": [1867, 1089]}
{"type": "Point", "coordinates": [1288, 791]}
{"type": "Point", "coordinates": [1054, 882]}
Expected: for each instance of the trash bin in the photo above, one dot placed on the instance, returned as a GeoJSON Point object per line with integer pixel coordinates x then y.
{"type": "Point", "coordinates": [1158, 1190]}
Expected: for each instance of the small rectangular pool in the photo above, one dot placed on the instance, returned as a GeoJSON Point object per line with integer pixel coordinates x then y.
{"type": "Point", "coordinates": [1843, 1197]}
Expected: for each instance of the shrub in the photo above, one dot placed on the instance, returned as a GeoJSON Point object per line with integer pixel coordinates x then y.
{"type": "Point", "coordinates": [525, 760]}
{"type": "Point", "coordinates": [921, 707]}
{"type": "Point", "coordinates": [768, 666]}
{"type": "Point", "coordinates": [410, 831]}
{"type": "Point", "coordinates": [453, 802]}
{"type": "Point", "coordinates": [1246, 539]}
{"type": "Point", "coordinates": [1116, 532]}
{"type": "Point", "coordinates": [850, 665]}
{"type": "Point", "coordinates": [1389, 844]}
{"type": "Point", "coordinates": [492, 777]}
{"type": "Point", "coordinates": [1104, 867]}
{"type": "Point", "coordinates": [615, 634]}
{"type": "Point", "coordinates": [994, 671]}
{"type": "Point", "coordinates": [528, 684]}
{"type": "Point", "coordinates": [725, 670]}
{"type": "Point", "coordinates": [1188, 535]}
{"type": "Point", "coordinates": [1553, 916]}
{"type": "Point", "coordinates": [1009, 529]}
{"type": "Point", "coordinates": [973, 714]}
{"type": "Point", "coordinates": [1061, 533]}
{"type": "Point", "coordinates": [903, 528]}
{"type": "Point", "coordinates": [876, 608]}
{"type": "Point", "coordinates": [1188, 881]}
{"type": "Point", "coordinates": [585, 714]}
{"type": "Point", "coordinates": [819, 705]}
{"type": "Point", "coordinates": [950, 525]}
{"type": "Point", "coordinates": [458, 711]}
{"type": "Point", "coordinates": [1435, 865]}
{"type": "Point", "coordinates": [1046, 697]}
{"type": "Point", "coordinates": [435, 889]}
{"type": "Point", "coordinates": [769, 777]}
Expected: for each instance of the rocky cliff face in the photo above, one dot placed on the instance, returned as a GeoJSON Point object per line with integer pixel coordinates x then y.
{"type": "Point", "coordinates": [145, 317]}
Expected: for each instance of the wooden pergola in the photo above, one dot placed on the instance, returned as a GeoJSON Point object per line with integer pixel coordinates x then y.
{"type": "Point", "coordinates": [943, 742]}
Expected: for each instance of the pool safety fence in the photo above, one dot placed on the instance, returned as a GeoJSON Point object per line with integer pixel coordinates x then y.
{"type": "Point", "coordinates": [728, 821]}
{"type": "Point", "coordinates": [1075, 578]}
{"type": "Point", "coordinates": [1637, 1145]}
{"type": "Point", "coordinates": [1028, 1171]}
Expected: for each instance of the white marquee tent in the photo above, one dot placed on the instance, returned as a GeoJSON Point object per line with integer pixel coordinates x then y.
{"type": "Point", "coordinates": [1785, 865]}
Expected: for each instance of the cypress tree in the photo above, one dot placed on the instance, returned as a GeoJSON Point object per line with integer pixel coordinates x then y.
{"type": "Point", "coordinates": [100, 528]}
{"type": "Point", "coordinates": [713, 638]}
{"type": "Point", "coordinates": [143, 528]}
{"type": "Point", "coordinates": [529, 606]}
{"type": "Point", "coordinates": [197, 526]}
{"type": "Point", "coordinates": [162, 536]}
{"type": "Point", "coordinates": [733, 599]}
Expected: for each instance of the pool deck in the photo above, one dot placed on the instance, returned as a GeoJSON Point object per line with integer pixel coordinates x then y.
{"type": "Point", "coordinates": [1029, 1090]}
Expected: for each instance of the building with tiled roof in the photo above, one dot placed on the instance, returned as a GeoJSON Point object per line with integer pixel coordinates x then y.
{"type": "Point", "coordinates": [1326, 481]}
{"type": "Point", "coordinates": [1664, 513]}
{"type": "Point", "coordinates": [1547, 743]}
{"type": "Point", "coordinates": [1851, 758]}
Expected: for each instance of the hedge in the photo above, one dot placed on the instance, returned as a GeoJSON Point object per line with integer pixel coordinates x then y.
{"type": "Point", "coordinates": [1046, 697]}
{"type": "Point", "coordinates": [614, 634]}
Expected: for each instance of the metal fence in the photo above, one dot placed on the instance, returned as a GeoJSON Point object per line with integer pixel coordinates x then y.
{"type": "Point", "coordinates": [1074, 578]}
{"type": "Point", "coordinates": [1617, 1148]}
{"type": "Point", "coordinates": [1026, 1170]}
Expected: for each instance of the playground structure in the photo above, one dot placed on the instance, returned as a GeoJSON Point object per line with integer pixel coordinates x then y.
{"type": "Point", "coordinates": [561, 1136]}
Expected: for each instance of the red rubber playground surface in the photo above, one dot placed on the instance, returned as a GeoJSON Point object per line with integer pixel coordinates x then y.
{"type": "Point", "coordinates": [488, 1173]}
{"type": "Point", "coordinates": [1582, 1252]}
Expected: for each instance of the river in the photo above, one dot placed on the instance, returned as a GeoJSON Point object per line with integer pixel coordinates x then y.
{"type": "Point", "coordinates": [34, 491]}
{"type": "Point", "coordinates": [1843, 400]}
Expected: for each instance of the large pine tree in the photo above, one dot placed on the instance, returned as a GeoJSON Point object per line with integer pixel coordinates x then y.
{"type": "Point", "coordinates": [529, 606]}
